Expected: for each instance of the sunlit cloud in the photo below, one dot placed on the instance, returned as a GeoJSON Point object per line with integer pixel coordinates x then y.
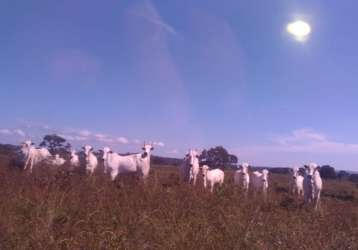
{"type": "Point", "coordinates": [173, 151]}
{"type": "Point", "coordinates": [122, 140]}
{"type": "Point", "coordinates": [85, 132]}
{"type": "Point", "coordinates": [20, 132]}
{"type": "Point", "coordinates": [105, 139]}
{"type": "Point", "coordinates": [100, 136]}
{"type": "Point", "coordinates": [5, 132]}
{"type": "Point", "coordinates": [304, 141]}
{"type": "Point", "coordinates": [160, 144]}
{"type": "Point", "coordinates": [80, 138]}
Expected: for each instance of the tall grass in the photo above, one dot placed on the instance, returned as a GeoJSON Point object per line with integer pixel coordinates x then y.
{"type": "Point", "coordinates": [58, 209]}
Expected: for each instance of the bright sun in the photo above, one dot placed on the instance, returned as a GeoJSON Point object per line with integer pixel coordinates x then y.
{"type": "Point", "coordinates": [299, 29]}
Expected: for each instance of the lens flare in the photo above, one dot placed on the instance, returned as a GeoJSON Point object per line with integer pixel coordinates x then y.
{"type": "Point", "coordinates": [299, 29]}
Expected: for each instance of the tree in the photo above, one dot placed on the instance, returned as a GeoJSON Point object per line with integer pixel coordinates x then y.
{"type": "Point", "coordinates": [56, 144]}
{"type": "Point", "coordinates": [218, 157]}
{"type": "Point", "coordinates": [328, 172]}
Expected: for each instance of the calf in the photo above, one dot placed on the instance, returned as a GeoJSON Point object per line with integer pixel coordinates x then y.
{"type": "Point", "coordinates": [91, 159]}
{"type": "Point", "coordinates": [312, 185]}
{"type": "Point", "coordinates": [33, 155]}
{"type": "Point", "coordinates": [296, 182]}
{"type": "Point", "coordinates": [214, 176]}
{"type": "Point", "coordinates": [260, 181]}
{"type": "Point", "coordinates": [75, 161]}
{"type": "Point", "coordinates": [58, 161]}
{"type": "Point", "coordinates": [242, 177]}
{"type": "Point", "coordinates": [194, 165]}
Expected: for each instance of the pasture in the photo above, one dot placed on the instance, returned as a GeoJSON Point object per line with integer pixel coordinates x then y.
{"type": "Point", "coordinates": [54, 208]}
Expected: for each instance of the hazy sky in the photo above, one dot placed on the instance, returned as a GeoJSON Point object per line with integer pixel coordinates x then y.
{"type": "Point", "coordinates": [184, 74]}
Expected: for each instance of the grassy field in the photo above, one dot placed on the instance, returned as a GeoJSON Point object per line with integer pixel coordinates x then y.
{"type": "Point", "coordinates": [56, 209]}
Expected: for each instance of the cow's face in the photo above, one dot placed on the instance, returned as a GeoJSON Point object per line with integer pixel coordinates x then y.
{"type": "Point", "coordinates": [87, 149]}
{"type": "Point", "coordinates": [147, 148]}
{"type": "Point", "coordinates": [265, 174]}
{"type": "Point", "coordinates": [106, 151]}
{"type": "Point", "coordinates": [204, 169]}
{"type": "Point", "coordinates": [27, 144]}
{"type": "Point", "coordinates": [193, 156]}
{"type": "Point", "coordinates": [245, 168]}
{"type": "Point", "coordinates": [311, 169]}
{"type": "Point", "coordinates": [294, 173]}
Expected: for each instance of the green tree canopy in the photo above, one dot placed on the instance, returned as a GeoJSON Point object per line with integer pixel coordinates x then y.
{"type": "Point", "coordinates": [56, 144]}
{"type": "Point", "coordinates": [218, 157]}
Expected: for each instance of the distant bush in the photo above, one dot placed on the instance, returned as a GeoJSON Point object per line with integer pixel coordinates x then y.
{"type": "Point", "coordinates": [279, 170]}
{"type": "Point", "coordinates": [159, 160]}
{"type": "Point", "coordinates": [343, 175]}
{"type": "Point", "coordinates": [353, 178]}
{"type": "Point", "coordinates": [328, 172]}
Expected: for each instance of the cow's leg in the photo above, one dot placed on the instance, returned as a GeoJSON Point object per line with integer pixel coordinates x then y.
{"type": "Point", "coordinates": [114, 174]}
{"type": "Point", "coordinates": [27, 162]}
{"type": "Point", "coordinates": [32, 164]}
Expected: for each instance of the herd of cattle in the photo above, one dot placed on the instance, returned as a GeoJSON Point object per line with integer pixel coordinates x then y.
{"type": "Point", "coordinates": [307, 184]}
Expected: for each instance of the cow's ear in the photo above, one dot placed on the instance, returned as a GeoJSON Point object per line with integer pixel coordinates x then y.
{"type": "Point", "coordinates": [143, 148]}
{"type": "Point", "coordinates": [318, 168]}
{"type": "Point", "coordinates": [306, 167]}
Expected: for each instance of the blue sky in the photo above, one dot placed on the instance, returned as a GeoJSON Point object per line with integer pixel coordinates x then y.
{"type": "Point", "coordinates": [184, 74]}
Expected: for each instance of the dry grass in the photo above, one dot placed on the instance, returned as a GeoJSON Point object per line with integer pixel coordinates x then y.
{"type": "Point", "coordinates": [55, 209]}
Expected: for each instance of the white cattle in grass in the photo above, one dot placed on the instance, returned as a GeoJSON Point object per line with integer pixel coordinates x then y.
{"type": "Point", "coordinates": [312, 184]}
{"type": "Point", "coordinates": [242, 177]}
{"type": "Point", "coordinates": [75, 161]}
{"type": "Point", "coordinates": [296, 182]}
{"type": "Point", "coordinates": [91, 159]}
{"type": "Point", "coordinates": [260, 181]}
{"type": "Point", "coordinates": [135, 163]}
{"type": "Point", "coordinates": [194, 165]}
{"type": "Point", "coordinates": [33, 155]}
{"type": "Point", "coordinates": [214, 176]}
{"type": "Point", "coordinates": [58, 161]}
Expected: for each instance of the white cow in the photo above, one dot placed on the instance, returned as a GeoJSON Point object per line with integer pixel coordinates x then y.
{"type": "Point", "coordinates": [135, 163]}
{"type": "Point", "coordinates": [260, 181]}
{"type": "Point", "coordinates": [194, 165]}
{"type": "Point", "coordinates": [296, 182]}
{"type": "Point", "coordinates": [312, 184]}
{"type": "Point", "coordinates": [91, 159]}
{"type": "Point", "coordinates": [33, 155]}
{"type": "Point", "coordinates": [75, 161]}
{"type": "Point", "coordinates": [242, 177]}
{"type": "Point", "coordinates": [214, 176]}
{"type": "Point", "coordinates": [58, 161]}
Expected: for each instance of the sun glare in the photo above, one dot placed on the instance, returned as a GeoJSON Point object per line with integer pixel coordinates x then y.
{"type": "Point", "coordinates": [299, 29]}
